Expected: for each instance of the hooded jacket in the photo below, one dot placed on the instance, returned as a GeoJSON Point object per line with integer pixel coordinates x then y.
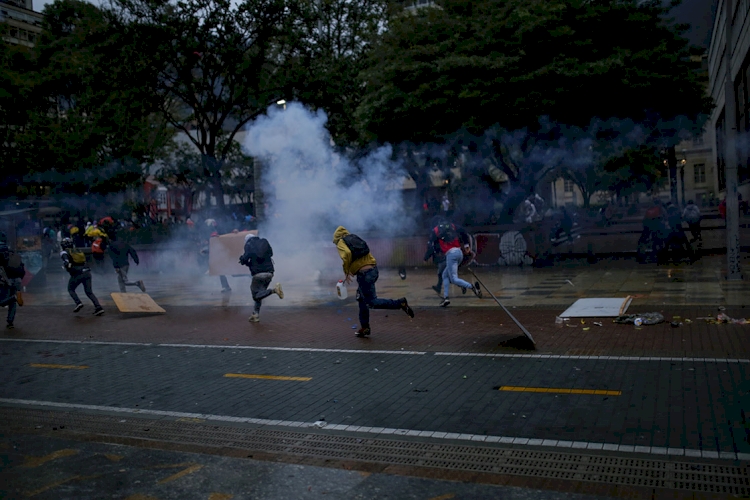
{"type": "Point", "coordinates": [350, 268]}
{"type": "Point", "coordinates": [257, 256]}
{"type": "Point", "coordinates": [119, 251]}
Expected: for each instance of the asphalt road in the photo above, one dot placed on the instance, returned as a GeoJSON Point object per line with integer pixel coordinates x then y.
{"type": "Point", "coordinates": [631, 402]}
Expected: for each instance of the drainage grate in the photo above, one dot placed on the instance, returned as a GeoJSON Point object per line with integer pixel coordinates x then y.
{"type": "Point", "coordinates": [701, 477]}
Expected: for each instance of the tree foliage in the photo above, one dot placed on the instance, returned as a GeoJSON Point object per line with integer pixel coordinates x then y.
{"type": "Point", "coordinates": [530, 82]}
{"type": "Point", "coordinates": [86, 123]}
{"type": "Point", "coordinates": [474, 64]}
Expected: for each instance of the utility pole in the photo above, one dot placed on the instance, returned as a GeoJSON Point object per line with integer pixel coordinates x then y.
{"type": "Point", "coordinates": [672, 163]}
{"type": "Point", "coordinates": [730, 153]}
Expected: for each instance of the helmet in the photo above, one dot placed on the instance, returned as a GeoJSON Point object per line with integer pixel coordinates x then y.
{"type": "Point", "coordinates": [66, 243]}
{"type": "Point", "coordinates": [250, 235]}
{"type": "Point", "coordinates": [74, 230]}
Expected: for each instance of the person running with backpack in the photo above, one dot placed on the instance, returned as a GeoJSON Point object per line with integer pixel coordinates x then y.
{"type": "Point", "coordinates": [438, 258]}
{"type": "Point", "coordinates": [358, 261]}
{"type": "Point", "coordinates": [119, 252]}
{"type": "Point", "coordinates": [454, 242]}
{"type": "Point", "coordinates": [257, 258]}
{"type": "Point", "coordinates": [74, 261]}
{"type": "Point", "coordinates": [11, 272]}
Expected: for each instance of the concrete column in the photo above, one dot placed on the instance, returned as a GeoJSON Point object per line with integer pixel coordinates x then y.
{"type": "Point", "coordinates": [730, 117]}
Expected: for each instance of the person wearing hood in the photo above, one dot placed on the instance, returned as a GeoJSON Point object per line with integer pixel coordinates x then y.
{"type": "Point", "coordinates": [257, 258]}
{"type": "Point", "coordinates": [358, 261]}
{"type": "Point", "coordinates": [119, 251]}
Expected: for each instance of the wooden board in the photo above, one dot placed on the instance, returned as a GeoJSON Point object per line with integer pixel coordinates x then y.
{"type": "Point", "coordinates": [136, 302]}
{"type": "Point", "coordinates": [224, 254]}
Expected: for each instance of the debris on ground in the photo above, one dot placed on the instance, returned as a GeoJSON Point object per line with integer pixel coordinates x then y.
{"type": "Point", "coordinates": [598, 323]}
{"type": "Point", "coordinates": [722, 318]}
{"type": "Point", "coordinates": [651, 318]}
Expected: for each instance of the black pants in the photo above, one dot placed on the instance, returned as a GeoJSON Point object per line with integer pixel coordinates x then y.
{"type": "Point", "coordinates": [82, 279]}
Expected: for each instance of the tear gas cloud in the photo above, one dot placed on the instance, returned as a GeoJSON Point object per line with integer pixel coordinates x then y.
{"type": "Point", "coordinates": [310, 190]}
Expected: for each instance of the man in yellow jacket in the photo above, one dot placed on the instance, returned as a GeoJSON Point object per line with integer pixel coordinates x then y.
{"type": "Point", "coordinates": [359, 262]}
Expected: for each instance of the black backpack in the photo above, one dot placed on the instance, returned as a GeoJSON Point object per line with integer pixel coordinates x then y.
{"type": "Point", "coordinates": [14, 269]}
{"type": "Point", "coordinates": [356, 245]}
{"type": "Point", "coordinates": [447, 232]}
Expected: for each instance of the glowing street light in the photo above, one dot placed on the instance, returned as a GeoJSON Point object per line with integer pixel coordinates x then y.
{"type": "Point", "coordinates": [281, 102]}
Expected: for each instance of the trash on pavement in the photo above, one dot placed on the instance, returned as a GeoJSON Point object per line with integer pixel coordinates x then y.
{"type": "Point", "coordinates": [598, 323]}
{"type": "Point", "coordinates": [319, 424]}
{"type": "Point", "coordinates": [722, 318]}
{"type": "Point", "coordinates": [675, 324]}
{"type": "Point", "coordinates": [651, 318]}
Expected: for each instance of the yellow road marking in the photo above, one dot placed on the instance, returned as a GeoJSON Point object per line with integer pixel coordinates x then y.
{"type": "Point", "coordinates": [64, 367]}
{"type": "Point", "coordinates": [58, 483]}
{"type": "Point", "coordinates": [220, 496]}
{"type": "Point", "coordinates": [185, 472]}
{"type": "Point", "coordinates": [172, 466]}
{"type": "Point", "coordinates": [37, 461]}
{"type": "Point", "coordinates": [266, 377]}
{"type": "Point", "coordinates": [112, 457]}
{"type": "Point", "coordinates": [191, 419]}
{"type": "Point", "coordinates": [595, 392]}
{"type": "Point", "coordinates": [138, 496]}
{"type": "Point", "coordinates": [447, 496]}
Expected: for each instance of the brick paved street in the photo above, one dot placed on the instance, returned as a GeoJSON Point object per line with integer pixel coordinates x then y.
{"type": "Point", "coordinates": [671, 392]}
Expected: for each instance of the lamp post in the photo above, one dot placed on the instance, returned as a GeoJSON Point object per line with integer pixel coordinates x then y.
{"type": "Point", "coordinates": [683, 162]}
{"type": "Point", "coordinates": [282, 103]}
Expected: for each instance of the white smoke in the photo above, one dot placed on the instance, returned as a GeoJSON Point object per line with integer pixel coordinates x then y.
{"type": "Point", "coordinates": [310, 190]}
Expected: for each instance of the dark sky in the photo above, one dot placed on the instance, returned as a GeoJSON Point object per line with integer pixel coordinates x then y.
{"type": "Point", "coordinates": [700, 15]}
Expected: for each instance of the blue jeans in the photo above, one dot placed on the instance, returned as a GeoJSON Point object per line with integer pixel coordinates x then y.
{"type": "Point", "coordinates": [452, 259]}
{"type": "Point", "coordinates": [8, 298]}
{"type": "Point", "coordinates": [368, 297]}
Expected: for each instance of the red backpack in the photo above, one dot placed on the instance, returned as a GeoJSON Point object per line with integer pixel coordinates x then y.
{"type": "Point", "coordinates": [97, 246]}
{"type": "Point", "coordinates": [447, 237]}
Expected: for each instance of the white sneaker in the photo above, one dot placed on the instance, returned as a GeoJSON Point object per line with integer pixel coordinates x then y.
{"type": "Point", "coordinates": [278, 291]}
{"type": "Point", "coordinates": [254, 318]}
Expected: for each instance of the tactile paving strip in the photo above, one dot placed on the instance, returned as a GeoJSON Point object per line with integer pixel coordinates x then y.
{"type": "Point", "coordinates": [690, 476]}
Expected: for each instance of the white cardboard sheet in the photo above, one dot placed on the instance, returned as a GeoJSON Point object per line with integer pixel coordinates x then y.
{"type": "Point", "coordinates": [598, 308]}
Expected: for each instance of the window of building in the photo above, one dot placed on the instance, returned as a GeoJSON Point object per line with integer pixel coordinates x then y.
{"type": "Point", "coordinates": [720, 165]}
{"type": "Point", "coordinates": [699, 173]}
{"type": "Point", "coordinates": [568, 186]}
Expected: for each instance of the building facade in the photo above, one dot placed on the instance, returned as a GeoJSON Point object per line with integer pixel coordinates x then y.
{"type": "Point", "coordinates": [739, 65]}
{"type": "Point", "coordinates": [24, 25]}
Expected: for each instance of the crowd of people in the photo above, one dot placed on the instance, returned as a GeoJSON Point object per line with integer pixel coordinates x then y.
{"type": "Point", "coordinates": [663, 236]}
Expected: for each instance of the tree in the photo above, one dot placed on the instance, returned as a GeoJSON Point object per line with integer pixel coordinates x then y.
{"type": "Point", "coordinates": [16, 63]}
{"type": "Point", "coordinates": [216, 65]}
{"type": "Point", "coordinates": [473, 65]}
{"type": "Point", "coordinates": [338, 44]}
{"type": "Point", "coordinates": [85, 125]}
{"type": "Point", "coordinates": [183, 168]}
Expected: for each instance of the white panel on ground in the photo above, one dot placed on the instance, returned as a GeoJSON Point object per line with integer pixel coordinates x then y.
{"type": "Point", "coordinates": [597, 308]}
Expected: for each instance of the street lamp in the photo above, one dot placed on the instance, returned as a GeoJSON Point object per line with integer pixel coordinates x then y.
{"type": "Point", "coordinates": [282, 103]}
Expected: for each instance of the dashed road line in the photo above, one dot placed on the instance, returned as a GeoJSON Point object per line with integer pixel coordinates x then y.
{"type": "Point", "coordinates": [559, 390]}
{"type": "Point", "coordinates": [61, 367]}
{"type": "Point", "coordinates": [267, 377]}
{"type": "Point", "coordinates": [417, 353]}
